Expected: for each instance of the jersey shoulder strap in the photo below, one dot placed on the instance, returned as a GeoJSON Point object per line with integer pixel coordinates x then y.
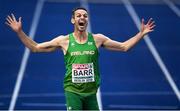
{"type": "Point", "coordinates": [71, 38]}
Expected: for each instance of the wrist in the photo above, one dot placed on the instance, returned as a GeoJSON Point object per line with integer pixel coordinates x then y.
{"type": "Point", "coordinates": [141, 34]}
{"type": "Point", "coordinates": [19, 32]}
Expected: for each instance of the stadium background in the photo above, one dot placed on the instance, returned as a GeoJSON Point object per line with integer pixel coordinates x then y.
{"type": "Point", "coordinates": [138, 79]}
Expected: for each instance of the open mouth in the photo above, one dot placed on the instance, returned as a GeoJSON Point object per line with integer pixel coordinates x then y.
{"type": "Point", "coordinates": [81, 24]}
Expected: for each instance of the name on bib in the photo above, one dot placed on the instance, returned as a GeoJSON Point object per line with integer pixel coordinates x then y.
{"type": "Point", "coordinates": [83, 73]}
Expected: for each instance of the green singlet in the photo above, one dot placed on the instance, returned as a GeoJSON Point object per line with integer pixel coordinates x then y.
{"type": "Point", "coordinates": [82, 72]}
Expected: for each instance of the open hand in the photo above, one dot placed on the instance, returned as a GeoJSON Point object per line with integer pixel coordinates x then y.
{"type": "Point", "coordinates": [149, 27]}
{"type": "Point", "coordinates": [13, 23]}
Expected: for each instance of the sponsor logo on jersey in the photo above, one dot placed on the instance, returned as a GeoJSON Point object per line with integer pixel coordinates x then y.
{"type": "Point", "coordinates": [82, 53]}
{"type": "Point", "coordinates": [90, 43]}
{"type": "Point", "coordinates": [72, 44]}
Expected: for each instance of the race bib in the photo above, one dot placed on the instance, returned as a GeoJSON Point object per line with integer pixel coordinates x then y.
{"type": "Point", "coordinates": [82, 73]}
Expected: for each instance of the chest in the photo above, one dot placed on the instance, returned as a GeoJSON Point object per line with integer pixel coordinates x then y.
{"type": "Point", "coordinates": [87, 49]}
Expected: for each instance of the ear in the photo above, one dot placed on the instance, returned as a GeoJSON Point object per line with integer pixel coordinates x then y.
{"type": "Point", "coordinates": [72, 20]}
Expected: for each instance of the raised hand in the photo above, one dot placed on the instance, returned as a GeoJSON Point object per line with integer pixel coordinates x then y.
{"type": "Point", "coordinates": [149, 27]}
{"type": "Point", "coordinates": [13, 23]}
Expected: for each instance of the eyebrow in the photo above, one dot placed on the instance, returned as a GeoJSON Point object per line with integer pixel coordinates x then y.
{"type": "Point", "coordinates": [80, 13]}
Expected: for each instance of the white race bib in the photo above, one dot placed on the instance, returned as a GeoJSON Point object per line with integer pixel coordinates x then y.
{"type": "Point", "coordinates": [82, 73]}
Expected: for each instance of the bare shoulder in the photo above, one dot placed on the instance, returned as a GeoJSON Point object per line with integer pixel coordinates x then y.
{"type": "Point", "coordinates": [100, 37]}
{"type": "Point", "coordinates": [62, 38]}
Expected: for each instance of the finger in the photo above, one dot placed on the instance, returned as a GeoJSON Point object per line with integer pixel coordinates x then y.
{"type": "Point", "coordinates": [20, 18]}
{"type": "Point", "coordinates": [152, 23]}
{"type": "Point", "coordinates": [9, 21]}
{"type": "Point", "coordinates": [10, 18]}
{"type": "Point", "coordinates": [13, 17]}
{"type": "Point", "coordinates": [149, 21]}
{"type": "Point", "coordinates": [142, 21]}
{"type": "Point", "coordinates": [152, 26]}
{"type": "Point", "coordinates": [151, 30]}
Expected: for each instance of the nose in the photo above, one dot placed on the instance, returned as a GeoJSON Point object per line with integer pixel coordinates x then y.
{"type": "Point", "coordinates": [82, 17]}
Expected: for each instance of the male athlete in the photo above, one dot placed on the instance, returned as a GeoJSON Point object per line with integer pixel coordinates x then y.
{"type": "Point", "coordinates": [80, 50]}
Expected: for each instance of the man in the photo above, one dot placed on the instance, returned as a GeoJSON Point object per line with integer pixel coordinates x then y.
{"type": "Point", "coordinates": [80, 50]}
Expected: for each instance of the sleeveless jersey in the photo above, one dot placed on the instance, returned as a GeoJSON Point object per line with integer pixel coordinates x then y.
{"type": "Point", "coordinates": [82, 72]}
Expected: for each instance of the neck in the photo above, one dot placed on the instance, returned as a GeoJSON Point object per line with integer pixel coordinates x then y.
{"type": "Point", "coordinates": [80, 36]}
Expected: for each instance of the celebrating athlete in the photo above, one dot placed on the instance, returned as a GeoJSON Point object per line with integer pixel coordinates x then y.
{"type": "Point", "coordinates": [80, 50]}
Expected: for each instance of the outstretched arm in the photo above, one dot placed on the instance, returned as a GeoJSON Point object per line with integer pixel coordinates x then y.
{"type": "Point", "coordinates": [16, 26]}
{"type": "Point", "coordinates": [125, 46]}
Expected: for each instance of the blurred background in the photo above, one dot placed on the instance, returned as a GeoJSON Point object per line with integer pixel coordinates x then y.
{"type": "Point", "coordinates": [146, 77]}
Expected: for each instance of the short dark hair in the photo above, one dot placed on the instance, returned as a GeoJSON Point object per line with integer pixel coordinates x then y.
{"type": "Point", "coordinates": [78, 8]}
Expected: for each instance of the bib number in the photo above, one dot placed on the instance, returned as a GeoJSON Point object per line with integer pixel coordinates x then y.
{"type": "Point", "coordinates": [82, 73]}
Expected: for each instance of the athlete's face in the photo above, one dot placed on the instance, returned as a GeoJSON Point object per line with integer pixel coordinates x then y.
{"type": "Point", "coordinates": [80, 20]}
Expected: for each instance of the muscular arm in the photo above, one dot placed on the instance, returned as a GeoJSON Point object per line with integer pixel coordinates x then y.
{"type": "Point", "coordinates": [122, 46]}
{"type": "Point", "coordinates": [29, 43]}
{"type": "Point", "coordinates": [125, 46]}
{"type": "Point", "coordinates": [37, 47]}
